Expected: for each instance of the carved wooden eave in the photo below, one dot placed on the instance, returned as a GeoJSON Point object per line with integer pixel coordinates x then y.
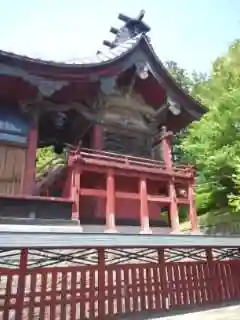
{"type": "Point", "coordinates": [102, 69]}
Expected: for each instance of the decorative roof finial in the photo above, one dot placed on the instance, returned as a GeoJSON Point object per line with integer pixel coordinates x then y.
{"type": "Point", "coordinates": [141, 15]}
{"type": "Point", "coordinates": [131, 28]}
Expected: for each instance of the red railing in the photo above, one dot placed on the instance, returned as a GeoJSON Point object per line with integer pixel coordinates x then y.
{"type": "Point", "coordinates": [89, 292]}
{"type": "Point", "coordinates": [128, 160]}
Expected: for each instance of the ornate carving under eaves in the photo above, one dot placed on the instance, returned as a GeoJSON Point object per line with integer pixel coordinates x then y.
{"type": "Point", "coordinates": [142, 69]}
{"type": "Point", "coordinates": [108, 85]}
{"type": "Point", "coordinates": [173, 106]}
{"type": "Point", "coordinates": [45, 86]}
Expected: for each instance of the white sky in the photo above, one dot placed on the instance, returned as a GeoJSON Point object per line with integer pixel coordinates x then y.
{"type": "Point", "coordinates": [190, 32]}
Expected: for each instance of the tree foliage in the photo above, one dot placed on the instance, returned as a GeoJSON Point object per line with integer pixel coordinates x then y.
{"type": "Point", "coordinates": [213, 144]}
{"type": "Point", "coordinates": [187, 82]}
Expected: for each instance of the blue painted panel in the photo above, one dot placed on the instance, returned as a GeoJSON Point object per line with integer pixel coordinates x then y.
{"type": "Point", "coordinates": [14, 126]}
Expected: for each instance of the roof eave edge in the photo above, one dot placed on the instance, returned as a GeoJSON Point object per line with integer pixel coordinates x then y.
{"type": "Point", "coordinates": [144, 43]}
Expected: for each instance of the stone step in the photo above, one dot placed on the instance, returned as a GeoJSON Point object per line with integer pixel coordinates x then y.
{"type": "Point", "coordinates": [41, 222]}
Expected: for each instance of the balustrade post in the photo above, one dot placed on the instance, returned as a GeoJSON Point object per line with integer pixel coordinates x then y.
{"type": "Point", "coordinates": [144, 210]}
{"type": "Point", "coordinates": [110, 202]}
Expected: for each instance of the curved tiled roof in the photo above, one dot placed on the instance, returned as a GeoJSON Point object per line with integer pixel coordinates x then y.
{"type": "Point", "coordinates": [108, 57]}
{"type": "Point", "coordinates": [100, 57]}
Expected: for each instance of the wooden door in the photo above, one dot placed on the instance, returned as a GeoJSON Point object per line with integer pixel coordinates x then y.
{"type": "Point", "coordinates": [12, 169]}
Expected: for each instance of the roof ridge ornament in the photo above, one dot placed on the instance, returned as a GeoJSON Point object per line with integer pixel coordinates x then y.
{"type": "Point", "coordinates": [132, 27]}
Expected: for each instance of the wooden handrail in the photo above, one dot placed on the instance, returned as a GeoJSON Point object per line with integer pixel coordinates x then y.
{"type": "Point", "coordinates": [126, 159]}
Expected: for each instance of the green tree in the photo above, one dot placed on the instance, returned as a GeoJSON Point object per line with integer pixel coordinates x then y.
{"type": "Point", "coordinates": [213, 144]}
{"type": "Point", "coordinates": [187, 83]}
{"type": "Point", "coordinates": [47, 159]}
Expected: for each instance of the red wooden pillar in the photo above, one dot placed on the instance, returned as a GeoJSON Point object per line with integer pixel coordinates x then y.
{"type": "Point", "coordinates": [173, 208]}
{"type": "Point", "coordinates": [97, 138]}
{"type": "Point", "coordinates": [75, 191]}
{"type": "Point", "coordinates": [29, 179]}
{"type": "Point", "coordinates": [67, 193]}
{"type": "Point", "coordinates": [192, 208]}
{"type": "Point", "coordinates": [97, 144]}
{"type": "Point", "coordinates": [144, 211]}
{"type": "Point", "coordinates": [110, 202]}
{"type": "Point", "coordinates": [165, 139]}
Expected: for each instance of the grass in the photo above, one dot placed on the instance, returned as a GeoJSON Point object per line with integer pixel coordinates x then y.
{"type": "Point", "coordinates": [221, 218]}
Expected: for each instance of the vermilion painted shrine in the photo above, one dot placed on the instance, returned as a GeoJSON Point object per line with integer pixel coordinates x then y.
{"type": "Point", "coordinates": [87, 239]}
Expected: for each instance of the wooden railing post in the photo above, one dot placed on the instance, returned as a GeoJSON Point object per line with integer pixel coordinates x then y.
{"type": "Point", "coordinates": [110, 202]}
{"type": "Point", "coordinates": [21, 283]}
{"type": "Point", "coordinates": [210, 285]}
{"type": "Point", "coordinates": [163, 279]}
{"type": "Point", "coordinates": [144, 210]}
{"type": "Point", "coordinates": [101, 283]}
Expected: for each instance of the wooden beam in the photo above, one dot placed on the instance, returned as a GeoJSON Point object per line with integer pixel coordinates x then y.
{"type": "Point", "coordinates": [183, 201]}
{"type": "Point", "coordinates": [137, 168]}
{"type": "Point", "coordinates": [127, 195]}
{"type": "Point", "coordinates": [93, 192]}
{"type": "Point", "coordinates": [134, 174]}
{"type": "Point", "coordinates": [160, 199]}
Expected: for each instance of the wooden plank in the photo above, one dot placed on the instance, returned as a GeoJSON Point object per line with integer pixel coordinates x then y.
{"type": "Point", "coordinates": [53, 301]}
{"type": "Point", "coordinates": [92, 291]}
{"type": "Point", "coordinates": [122, 195]}
{"type": "Point", "coordinates": [64, 281]}
{"type": "Point", "coordinates": [119, 291]}
{"type": "Point", "coordinates": [184, 285]}
{"type": "Point", "coordinates": [160, 199]}
{"type": "Point", "coordinates": [12, 169]}
{"type": "Point", "coordinates": [73, 295]}
{"type": "Point", "coordinates": [43, 287]}
{"type": "Point", "coordinates": [110, 290]}
{"type": "Point", "coordinates": [177, 276]}
{"type": "Point", "coordinates": [92, 192]}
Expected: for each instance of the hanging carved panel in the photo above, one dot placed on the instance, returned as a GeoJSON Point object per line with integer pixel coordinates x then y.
{"type": "Point", "coordinates": [127, 144]}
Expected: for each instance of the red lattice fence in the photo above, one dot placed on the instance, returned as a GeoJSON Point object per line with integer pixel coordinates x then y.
{"type": "Point", "coordinates": [93, 292]}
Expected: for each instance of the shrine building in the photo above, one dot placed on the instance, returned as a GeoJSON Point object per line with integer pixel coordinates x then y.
{"type": "Point", "coordinates": [110, 118]}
